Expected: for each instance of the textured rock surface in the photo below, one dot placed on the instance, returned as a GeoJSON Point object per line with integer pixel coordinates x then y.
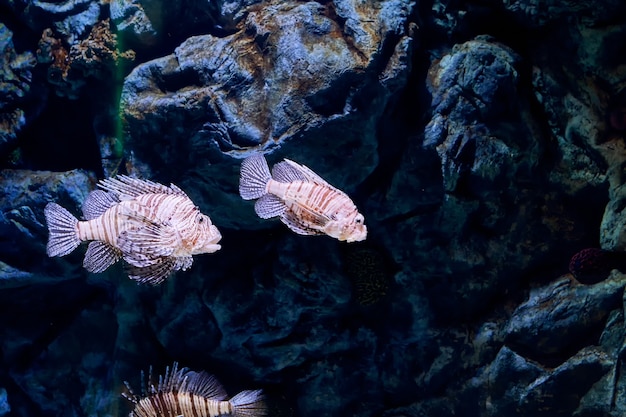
{"type": "Point", "coordinates": [484, 142]}
{"type": "Point", "coordinates": [291, 72]}
{"type": "Point", "coordinates": [22, 223]}
{"type": "Point", "coordinates": [15, 78]}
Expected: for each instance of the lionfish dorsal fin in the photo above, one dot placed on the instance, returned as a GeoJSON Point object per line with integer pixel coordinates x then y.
{"type": "Point", "coordinates": [125, 187]}
{"type": "Point", "coordinates": [304, 172]}
{"type": "Point", "coordinates": [97, 202]}
{"type": "Point", "coordinates": [285, 172]}
{"type": "Point", "coordinates": [203, 385]}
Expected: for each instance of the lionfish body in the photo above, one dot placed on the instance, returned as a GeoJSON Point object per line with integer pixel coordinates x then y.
{"type": "Point", "coordinates": [188, 393]}
{"type": "Point", "coordinates": [301, 199]}
{"type": "Point", "coordinates": [154, 228]}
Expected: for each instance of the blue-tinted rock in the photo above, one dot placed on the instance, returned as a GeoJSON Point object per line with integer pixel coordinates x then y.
{"type": "Point", "coordinates": [94, 57]}
{"type": "Point", "coordinates": [15, 83]}
{"type": "Point", "coordinates": [71, 19]}
{"type": "Point", "coordinates": [469, 182]}
{"type": "Point", "coordinates": [536, 13]}
{"type": "Point", "coordinates": [149, 23]}
{"type": "Point", "coordinates": [23, 232]}
{"type": "Point", "coordinates": [562, 317]}
{"type": "Point", "coordinates": [5, 407]}
{"type": "Point", "coordinates": [85, 382]}
{"type": "Point", "coordinates": [559, 392]}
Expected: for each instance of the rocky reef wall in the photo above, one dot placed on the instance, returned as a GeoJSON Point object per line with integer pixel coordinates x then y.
{"type": "Point", "coordinates": [483, 142]}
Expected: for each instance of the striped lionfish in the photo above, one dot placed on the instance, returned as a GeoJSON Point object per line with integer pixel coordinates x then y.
{"type": "Point", "coordinates": [188, 393]}
{"type": "Point", "coordinates": [305, 202]}
{"type": "Point", "coordinates": [154, 228]}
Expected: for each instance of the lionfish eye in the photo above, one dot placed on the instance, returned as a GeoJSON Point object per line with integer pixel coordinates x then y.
{"type": "Point", "coordinates": [201, 220]}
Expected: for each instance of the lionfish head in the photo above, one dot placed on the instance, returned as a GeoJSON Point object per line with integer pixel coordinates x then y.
{"type": "Point", "coordinates": [208, 236]}
{"type": "Point", "coordinates": [349, 229]}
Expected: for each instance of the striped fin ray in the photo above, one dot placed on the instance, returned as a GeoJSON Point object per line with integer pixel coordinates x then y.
{"type": "Point", "coordinates": [153, 273]}
{"type": "Point", "coordinates": [146, 242]}
{"type": "Point", "coordinates": [285, 172]}
{"type": "Point", "coordinates": [173, 378]}
{"type": "Point", "coordinates": [100, 256]}
{"type": "Point", "coordinates": [127, 187]}
{"type": "Point", "coordinates": [254, 177]}
{"type": "Point", "coordinates": [248, 404]}
{"type": "Point", "coordinates": [308, 173]}
{"type": "Point", "coordinates": [97, 203]}
{"type": "Point", "coordinates": [63, 228]}
{"type": "Point", "coordinates": [269, 206]}
{"type": "Point", "coordinates": [204, 385]}
{"type": "Point", "coordinates": [298, 224]}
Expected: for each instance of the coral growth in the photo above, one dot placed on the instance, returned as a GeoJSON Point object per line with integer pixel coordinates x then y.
{"type": "Point", "coordinates": [71, 67]}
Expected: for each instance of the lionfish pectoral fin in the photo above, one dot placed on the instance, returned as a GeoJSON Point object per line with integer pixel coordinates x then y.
{"type": "Point", "coordinates": [62, 226]}
{"type": "Point", "coordinates": [97, 203]}
{"type": "Point", "coordinates": [294, 223]}
{"type": "Point", "coordinates": [269, 206]}
{"type": "Point", "coordinates": [147, 242]}
{"type": "Point", "coordinates": [248, 404]}
{"type": "Point", "coordinates": [183, 262]}
{"type": "Point", "coordinates": [139, 260]}
{"type": "Point", "coordinates": [153, 274]}
{"type": "Point", "coordinates": [254, 176]}
{"type": "Point", "coordinates": [100, 256]}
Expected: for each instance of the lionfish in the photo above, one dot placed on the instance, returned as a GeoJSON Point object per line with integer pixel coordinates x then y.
{"type": "Point", "coordinates": [154, 228]}
{"type": "Point", "coordinates": [188, 393]}
{"type": "Point", "coordinates": [301, 199]}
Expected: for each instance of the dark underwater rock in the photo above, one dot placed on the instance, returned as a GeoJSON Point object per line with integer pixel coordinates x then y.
{"type": "Point", "coordinates": [534, 13]}
{"type": "Point", "coordinates": [23, 232]}
{"type": "Point", "coordinates": [466, 188]}
{"type": "Point", "coordinates": [291, 82]}
{"type": "Point", "coordinates": [70, 68]}
{"type": "Point", "coordinates": [15, 83]}
{"type": "Point", "coordinates": [562, 317]}
{"type": "Point", "coordinates": [5, 406]}
{"type": "Point", "coordinates": [72, 19]}
{"type": "Point", "coordinates": [85, 381]}
{"type": "Point", "coordinates": [150, 22]}
{"type": "Point", "coordinates": [559, 392]}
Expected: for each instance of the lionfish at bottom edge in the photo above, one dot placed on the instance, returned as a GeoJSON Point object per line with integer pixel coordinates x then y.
{"type": "Point", "coordinates": [183, 392]}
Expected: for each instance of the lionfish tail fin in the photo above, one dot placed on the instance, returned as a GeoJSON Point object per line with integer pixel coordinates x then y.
{"type": "Point", "coordinates": [62, 226]}
{"type": "Point", "coordinates": [248, 404]}
{"type": "Point", "coordinates": [255, 173]}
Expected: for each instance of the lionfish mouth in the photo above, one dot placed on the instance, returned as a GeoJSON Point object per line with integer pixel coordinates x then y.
{"type": "Point", "coordinates": [355, 237]}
